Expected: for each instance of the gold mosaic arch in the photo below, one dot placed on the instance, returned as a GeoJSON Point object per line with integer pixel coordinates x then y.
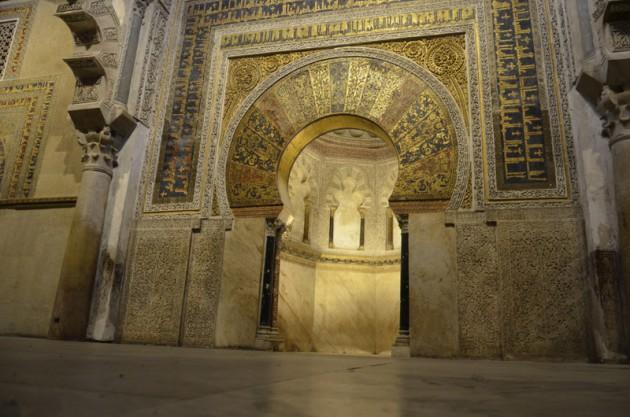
{"type": "Point", "coordinates": [391, 98]}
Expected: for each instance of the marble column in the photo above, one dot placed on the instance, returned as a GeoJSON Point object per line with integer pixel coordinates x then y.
{"type": "Point", "coordinates": [331, 227]}
{"type": "Point", "coordinates": [74, 292]}
{"type": "Point", "coordinates": [126, 73]}
{"type": "Point", "coordinates": [401, 345]}
{"type": "Point", "coordinates": [267, 334]}
{"type": "Point", "coordinates": [615, 106]}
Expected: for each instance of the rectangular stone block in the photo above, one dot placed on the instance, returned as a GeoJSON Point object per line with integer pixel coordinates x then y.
{"type": "Point", "coordinates": [433, 286]}
{"type": "Point", "coordinates": [240, 286]}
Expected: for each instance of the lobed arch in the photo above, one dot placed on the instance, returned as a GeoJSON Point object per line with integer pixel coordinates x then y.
{"type": "Point", "coordinates": [262, 141]}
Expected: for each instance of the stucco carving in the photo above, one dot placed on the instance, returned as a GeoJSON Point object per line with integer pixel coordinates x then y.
{"type": "Point", "coordinates": [156, 282]}
{"type": "Point", "coordinates": [203, 285]}
{"type": "Point", "coordinates": [478, 289]}
{"type": "Point", "coordinates": [542, 265]}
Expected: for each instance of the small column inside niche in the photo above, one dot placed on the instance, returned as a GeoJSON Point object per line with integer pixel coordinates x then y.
{"type": "Point", "coordinates": [401, 345]}
{"type": "Point", "coordinates": [267, 334]}
{"type": "Point", "coordinates": [307, 221]}
{"type": "Point", "coordinates": [331, 227]}
{"type": "Point", "coordinates": [362, 229]}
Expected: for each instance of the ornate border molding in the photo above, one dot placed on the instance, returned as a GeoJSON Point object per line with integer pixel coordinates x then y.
{"type": "Point", "coordinates": [480, 66]}
{"type": "Point", "coordinates": [463, 169]}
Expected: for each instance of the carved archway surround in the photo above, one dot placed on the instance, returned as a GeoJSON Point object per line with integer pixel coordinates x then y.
{"type": "Point", "coordinates": [481, 146]}
{"type": "Point", "coordinates": [433, 84]}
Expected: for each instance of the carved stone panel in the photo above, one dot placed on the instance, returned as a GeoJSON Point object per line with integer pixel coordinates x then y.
{"type": "Point", "coordinates": [155, 290]}
{"type": "Point", "coordinates": [542, 265]}
{"type": "Point", "coordinates": [478, 290]}
{"type": "Point", "coordinates": [204, 284]}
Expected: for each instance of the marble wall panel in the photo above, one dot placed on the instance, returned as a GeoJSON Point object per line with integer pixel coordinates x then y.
{"type": "Point", "coordinates": [387, 308]}
{"type": "Point", "coordinates": [354, 315]}
{"type": "Point", "coordinates": [203, 286]}
{"type": "Point", "coordinates": [157, 280]}
{"type": "Point", "coordinates": [433, 286]}
{"type": "Point", "coordinates": [238, 301]}
{"type": "Point", "coordinates": [296, 306]}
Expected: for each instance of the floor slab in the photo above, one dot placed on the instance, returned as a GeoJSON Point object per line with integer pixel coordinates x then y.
{"type": "Point", "coordinates": [52, 378]}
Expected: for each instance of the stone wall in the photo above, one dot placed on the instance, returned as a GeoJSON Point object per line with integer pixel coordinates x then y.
{"type": "Point", "coordinates": [35, 220]}
{"type": "Point", "coordinates": [31, 261]}
{"type": "Point", "coordinates": [520, 289]}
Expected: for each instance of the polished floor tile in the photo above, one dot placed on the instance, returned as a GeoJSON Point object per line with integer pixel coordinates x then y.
{"type": "Point", "coordinates": [67, 379]}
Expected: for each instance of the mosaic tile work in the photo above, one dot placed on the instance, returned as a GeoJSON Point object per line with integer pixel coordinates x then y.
{"type": "Point", "coordinates": [524, 155]}
{"type": "Point", "coordinates": [415, 118]}
{"type": "Point", "coordinates": [180, 142]}
{"type": "Point", "coordinates": [521, 121]}
{"type": "Point", "coordinates": [24, 111]}
{"type": "Point", "coordinates": [15, 25]}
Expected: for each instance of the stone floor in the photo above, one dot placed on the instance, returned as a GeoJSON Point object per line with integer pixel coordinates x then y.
{"type": "Point", "coordinates": [47, 378]}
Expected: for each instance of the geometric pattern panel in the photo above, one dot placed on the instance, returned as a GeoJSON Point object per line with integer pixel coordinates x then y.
{"type": "Point", "coordinates": [24, 110]}
{"type": "Point", "coordinates": [7, 30]}
{"type": "Point", "coordinates": [15, 25]}
{"type": "Point", "coordinates": [416, 120]}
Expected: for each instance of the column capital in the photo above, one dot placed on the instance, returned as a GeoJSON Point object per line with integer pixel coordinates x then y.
{"type": "Point", "coordinates": [615, 109]}
{"type": "Point", "coordinates": [403, 222]}
{"type": "Point", "coordinates": [274, 226]}
{"type": "Point", "coordinates": [99, 151]}
{"type": "Point", "coordinates": [140, 7]}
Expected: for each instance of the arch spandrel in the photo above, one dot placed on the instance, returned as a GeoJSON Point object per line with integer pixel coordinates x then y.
{"type": "Point", "coordinates": [400, 104]}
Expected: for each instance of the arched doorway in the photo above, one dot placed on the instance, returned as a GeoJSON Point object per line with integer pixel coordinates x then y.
{"type": "Point", "coordinates": [339, 266]}
{"type": "Point", "coordinates": [398, 102]}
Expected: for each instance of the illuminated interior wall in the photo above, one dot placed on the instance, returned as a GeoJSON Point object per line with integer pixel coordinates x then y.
{"type": "Point", "coordinates": [330, 300]}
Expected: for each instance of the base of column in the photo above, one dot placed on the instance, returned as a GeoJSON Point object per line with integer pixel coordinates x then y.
{"type": "Point", "coordinates": [269, 338]}
{"type": "Point", "coordinates": [401, 347]}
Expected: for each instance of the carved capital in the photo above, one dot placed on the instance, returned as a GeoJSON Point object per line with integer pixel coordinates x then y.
{"type": "Point", "coordinates": [274, 226]}
{"type": "Point", "coordinates": [99, 151]}
{"type": "Point", "coordinates": [403, 222]}
{"type": "Point", "coordinates": [140, 7]}
{"type": "Point", "coordinates": [615, 110]}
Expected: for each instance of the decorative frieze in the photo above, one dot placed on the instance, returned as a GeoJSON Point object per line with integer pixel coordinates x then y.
{"type": "Point", "coordinates": [151, 68]}
{"type": "Point", "coordinates": [7, 31]}
{"type": "Point", "coordinates": [25, 108]}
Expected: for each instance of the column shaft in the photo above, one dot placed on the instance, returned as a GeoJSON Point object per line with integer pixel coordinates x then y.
{"type": "Point", "coordinates": [74, 292]}
{"type": "Point", "coordinates": [620, 150]}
